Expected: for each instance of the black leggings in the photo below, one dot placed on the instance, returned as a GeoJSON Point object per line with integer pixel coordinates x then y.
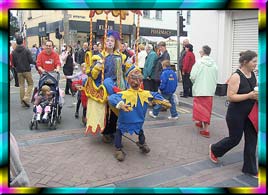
{"type": "Point", "coordinates": [68, 86]}
{"type": "Point", "coordinates": [236, 130]}
{"type": "Point", "coordinates": [79, 103]}
{"type": "Point", "coordinates": [187, 85]}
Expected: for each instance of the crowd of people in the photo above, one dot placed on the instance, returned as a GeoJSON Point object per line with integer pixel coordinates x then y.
{"type": "Point", "coordinates": [131, 89]}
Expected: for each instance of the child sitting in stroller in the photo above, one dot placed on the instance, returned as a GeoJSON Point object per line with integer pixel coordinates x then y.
{"type": "Point", "coordinates": [43, 102]}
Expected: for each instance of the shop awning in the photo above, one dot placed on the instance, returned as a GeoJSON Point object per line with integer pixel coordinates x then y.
{"type": "Point", "coordinates": [151, 39]}
{"type": "Point", "coordinates": [174, 38]}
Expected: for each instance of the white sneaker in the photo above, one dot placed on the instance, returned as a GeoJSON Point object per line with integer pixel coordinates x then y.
{"type": "Point", "coordinates": [38, 115]}
{"type": "Point", "coordinates": [45, 116]}
{"type": "Point", "coordinates": [173, 118]}
{"type": "Point", "coordinates": [152, 114]}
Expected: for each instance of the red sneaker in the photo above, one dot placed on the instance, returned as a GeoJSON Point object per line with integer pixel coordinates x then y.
{"type": "Point", "coordinates": [212, 157]}
{"type": "Point", "coordinates": [199, 124]}
{"type": "Point", "coordinates": [205, 133]}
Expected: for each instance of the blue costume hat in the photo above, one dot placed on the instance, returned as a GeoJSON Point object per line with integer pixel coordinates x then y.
{"type": "Point", "coordinates": [132, 68]}
{"type": "Point", "coordinates": [113, 33]}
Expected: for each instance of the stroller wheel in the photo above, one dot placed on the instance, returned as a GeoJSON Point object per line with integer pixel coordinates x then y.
{"type": "Point", "coordinates": [53, 125]}
{"type": "Point", "coordinates": [59, 119]}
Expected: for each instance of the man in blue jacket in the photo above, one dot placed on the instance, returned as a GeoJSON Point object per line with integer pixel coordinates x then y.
{"type": "Point", "coordinates": [168, 85]}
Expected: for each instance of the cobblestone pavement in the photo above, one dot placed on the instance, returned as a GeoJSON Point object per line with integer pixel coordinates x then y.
{"type": "Point", "coordinates": [178, 158]}
{"type": "Point", "coordinates": [69, 158]}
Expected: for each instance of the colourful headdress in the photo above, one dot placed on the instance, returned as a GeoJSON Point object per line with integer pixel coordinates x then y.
{"type": "Point", "coordinates": [113, 33]}
{"type": "Point", "coordinates": [131, 69]}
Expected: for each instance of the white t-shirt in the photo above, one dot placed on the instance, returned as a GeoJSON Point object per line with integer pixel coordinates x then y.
{"type": "Point", "coordinates": [141, 58]}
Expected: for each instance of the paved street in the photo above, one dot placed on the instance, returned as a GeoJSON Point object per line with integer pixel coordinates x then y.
{"type": "Point", "coordinates": [178, 158]}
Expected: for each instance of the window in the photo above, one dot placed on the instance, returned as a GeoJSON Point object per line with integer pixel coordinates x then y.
{"type": "Point", "coordinates": [158, 14]}
{"type": "Point", "coordinates": [188, 17]}
{"type": "Point", "coordinates": [146, 14]}
{"type": "Point", "coordinates": [30, 15]}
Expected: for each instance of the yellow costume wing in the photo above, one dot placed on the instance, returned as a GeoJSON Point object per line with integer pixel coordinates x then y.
{"type": "Point", "coordinates": [96, 107]}
{"type": "Point", "coordinates": [131, 96]}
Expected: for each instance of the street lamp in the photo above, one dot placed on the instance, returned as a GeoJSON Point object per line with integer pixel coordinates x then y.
{"type": "Point", "coordinates": [66, 27]}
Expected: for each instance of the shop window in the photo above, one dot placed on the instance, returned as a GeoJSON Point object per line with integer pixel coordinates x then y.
{"type": "Point", "coordinates": [146, 14]}
{"type": "Point", "coordinates": [188, 17]}
{"type": "Point", "coordinates": [158, 14]}
{"type": "Point", "coordinates": [30, 15]}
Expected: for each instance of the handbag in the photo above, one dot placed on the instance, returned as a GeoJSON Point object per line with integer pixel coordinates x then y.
{"type": "Point", "coordinates": [253, 116]}
{"type": "Point", "coordinates": [75, 84]}
{"type": "Point", "coordinates": [11, 76]}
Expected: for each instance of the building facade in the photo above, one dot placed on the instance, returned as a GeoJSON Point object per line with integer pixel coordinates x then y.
{"type": "Point", "coordinates": [158, 23]}
{"type": "Point", "coordinates": [74, 25]}
{"type": "Point", "coordinates": [227, 32]}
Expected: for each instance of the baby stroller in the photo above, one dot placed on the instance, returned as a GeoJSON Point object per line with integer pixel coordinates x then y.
{"type": "Point", "coordinates": [52, 80]}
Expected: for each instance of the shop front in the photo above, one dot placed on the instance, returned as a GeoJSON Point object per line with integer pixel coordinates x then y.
{"type": "Point", "coordinates": [80, 31]}
{"type": "Point", "coordinates": [157, 32]}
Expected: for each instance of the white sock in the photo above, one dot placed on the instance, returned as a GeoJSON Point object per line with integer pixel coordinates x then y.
{"type": "Point", "coordinates": [38, 115]}
{"type": "Point", "coordinates": [45, 115]}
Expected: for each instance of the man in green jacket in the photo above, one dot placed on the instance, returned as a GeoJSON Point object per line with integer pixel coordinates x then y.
{"type": "Point", "coordinates": [150, 62]}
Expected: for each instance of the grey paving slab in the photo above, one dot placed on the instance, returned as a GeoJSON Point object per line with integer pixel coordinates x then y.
{"type": "Point", "coordinates": [248, 180]}
{"type": "Point", "coordinates": [178, 152]}
{"type": "Point", "coordinates": [230, 183]}
{"type": "Point", "coordinates": [154, 178]}
{"type": "Point", "coordinates": [49, 140]}
{"type": "Point", "coordinates": [200, 166]}
{"type": "Point", "coordinates": [231, 158]}
{"type": "Point", "coordinates": [177, 172]}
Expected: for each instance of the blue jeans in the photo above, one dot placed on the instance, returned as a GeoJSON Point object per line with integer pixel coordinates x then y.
{"type": "Point", "coordinates": [173, 110]}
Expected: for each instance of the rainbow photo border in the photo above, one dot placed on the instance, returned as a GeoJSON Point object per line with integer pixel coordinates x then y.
{"type": "Point", "coordinates": [125, 4]}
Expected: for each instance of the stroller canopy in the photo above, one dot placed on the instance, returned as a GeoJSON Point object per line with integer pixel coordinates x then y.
{"type": "Point", "coordinates": [50, 79]}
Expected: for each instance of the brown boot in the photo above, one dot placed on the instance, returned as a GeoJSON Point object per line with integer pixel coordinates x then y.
{"type": "Point", "coordinates": [106, 138]}
{"type": "Point", "coordinates": [119, 154]}
{"type": "Point", "coordinates": [143, 147]}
